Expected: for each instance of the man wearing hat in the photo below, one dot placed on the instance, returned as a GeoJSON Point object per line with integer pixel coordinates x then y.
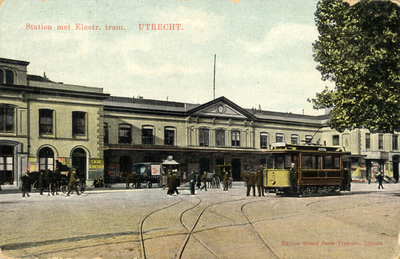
{"type": "Point", "coordinates": [251, 183]}
{"type": "Point", "coordinates": [192, 182]}
{"type": "Point", "coordinates": [72, 182]}
{"type": "Point", "coordinates": [293, 177]}
{"type": "Point", "coordinates": [226, 180]}
{"type": "Point", "coordinates": [259, 181]}
{"type": "Point", "coordinates": [172, 184]}
{"type": "Point", "coordinates": [26, 184]}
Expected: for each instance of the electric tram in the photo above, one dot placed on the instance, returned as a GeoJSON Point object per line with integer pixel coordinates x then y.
{"type": "Point", "coordinates": [316, 170]}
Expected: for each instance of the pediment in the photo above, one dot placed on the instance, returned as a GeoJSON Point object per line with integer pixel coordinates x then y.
{"type": "Point", "coordinates": [221, 107]}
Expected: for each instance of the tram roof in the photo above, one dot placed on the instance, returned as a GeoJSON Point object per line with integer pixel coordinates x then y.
{"type": "Point", "coordinates": [299, 148]}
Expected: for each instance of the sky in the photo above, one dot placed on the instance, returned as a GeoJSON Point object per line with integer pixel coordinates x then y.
{"type": "Point", "coordinates": [263, 48]}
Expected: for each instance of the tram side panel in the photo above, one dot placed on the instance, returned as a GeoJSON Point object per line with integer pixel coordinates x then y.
{"type": "Point", "coordinates": [276, 179]}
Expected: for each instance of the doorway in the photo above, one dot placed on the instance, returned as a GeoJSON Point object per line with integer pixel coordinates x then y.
{"type": "Point", "coordinates": [236, 169]}
{"type": "Point", "coordinates": [79, 162]}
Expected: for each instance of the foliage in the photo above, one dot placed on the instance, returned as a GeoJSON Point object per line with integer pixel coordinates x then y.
{"type": "Point", "coordinates": [358, 49]}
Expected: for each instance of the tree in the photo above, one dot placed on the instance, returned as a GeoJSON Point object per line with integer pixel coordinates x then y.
{"type": "Point", "coordinates": [359, 50]}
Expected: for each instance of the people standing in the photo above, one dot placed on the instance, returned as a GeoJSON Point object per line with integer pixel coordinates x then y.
{"type": "Point", "coordinates": [251, 183]}
{"type": "Point", "coordinates": [172, 185]}
{"type": "Point", "coordinates": [379, 176]}
{"type": "Point", "coordinates": [205, 175]}
{"type": "Point", "coordinates": [293, 177]}
{"type": "Point", "coordinates": [26, 184]}
{"type": "Point", "coordinates": [72, 182]}
{"type": "Point", "coordinates": [226, 180]}
{"type": "Point", "coordinates": [259, 181]}
{"type": "Point", "coordinates": [192, 182]}
{"type": "Point", "coordinates": [198, 180]}
{"type": "Point", "coordinates": [1, 178]}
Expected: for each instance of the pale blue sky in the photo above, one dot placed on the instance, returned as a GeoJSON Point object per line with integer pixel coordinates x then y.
{"type": "Point", "coordinates": [263, 48]}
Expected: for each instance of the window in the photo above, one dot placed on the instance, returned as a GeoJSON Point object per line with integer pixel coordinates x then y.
{"type": "Point", "coordinates": [235, 138]}
{"type": "Point", "coordinates": [46, 159]}
{"type": "Point", "coordinates": [380, 141]}
{"type": "Point", "coordinates": [105, 133]}
{"type": "Point", "coordinates": [124, 135]}
{"type": "Point", "coordinates": [395, 142]}
{"type": "Point", "coordinates": [264, 140]}
{"type": "Point", "coordinates": [147, 135]}
{"type": "Point", "coordinates": [220, 138]}
{"type": "Point", "coordinates": [279, 137]}
{"type": "Point", "coordinates": [335, 140]}
{"type": "Point", "coordinates": [367, 141]}
{"type": "Point", "coordinates": [294, 139]}
{"type": "Point", "coordinates": [169, 136]}
{"type": "Point", "coordinates": [9, 77]}
{"type": "Point", "coordinates": [45, 121]}
{"type": "Point", "coordinates": [204, 137]}
{"type": "Point", "coordinates": [309, 139]}
{"type": "Point", "coordinates": [6, 118]}
{"type": "Point", "coordinates": [79, 123]}
{"type": "Point", "coordinates": [2, 77]}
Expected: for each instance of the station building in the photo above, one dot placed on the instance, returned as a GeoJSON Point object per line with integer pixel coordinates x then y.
{"type": "Point", "coordinates": [42, 121]}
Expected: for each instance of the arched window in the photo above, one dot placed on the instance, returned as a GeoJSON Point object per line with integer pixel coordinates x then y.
{"type": "Point", "coordinates": [46, 159]}
{"type": "Point", "coordinates": [79, 162]}
{"type": "Point", "coordinates": [9, 77]}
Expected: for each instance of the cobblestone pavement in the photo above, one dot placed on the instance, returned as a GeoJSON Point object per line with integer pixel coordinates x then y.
{"type": "Point", "coordinates": [147, 223]}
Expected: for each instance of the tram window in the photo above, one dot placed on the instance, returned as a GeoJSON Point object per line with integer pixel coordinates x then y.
{"type": "Point", "coordinates": [328, 162]}
{"type": "Point", "coordinates": [270, 161]}
{"type": "Point", "coordinates": [336, 162]}
{"type": "Point", "coordinates": [309, 162]}
{"type": "Point", "coordinates": [279, 162]}
{"type": "Point", "coordinates": [288, 161]}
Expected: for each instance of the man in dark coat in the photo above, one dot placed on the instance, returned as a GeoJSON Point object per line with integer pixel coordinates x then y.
{"type": "Point", "coordinates": [72, 182]}
{"type": "Point", "coordinates": [26, 184]}
{"type": "Point", "coordinates": [293, 177]}
{"type": "Point", "coordinates": [260, 182]}
{"type": "Point", "coordinates": [251, 183]}
{"type": "Point", "coordinates": [192, 182]}
{"type": "Point", "coordinates": [205, 175]}
{"type": "Point", "coordinates": [379, 176]}
{"type": "Point", "coordinates": [172, 185]}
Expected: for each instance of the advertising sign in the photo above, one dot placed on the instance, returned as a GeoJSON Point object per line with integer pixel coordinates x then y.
{"type": "Point", "coordinates": [155, 170]}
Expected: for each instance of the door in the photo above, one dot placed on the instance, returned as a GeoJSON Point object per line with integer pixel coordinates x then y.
{"type": "Point", "coordinates": [79, 162]}
{"type": "Point", "coordinates": [236, 169]}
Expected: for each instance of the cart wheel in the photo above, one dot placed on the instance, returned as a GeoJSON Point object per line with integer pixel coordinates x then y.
{"type": "Point", "coordinates": [149, 184]}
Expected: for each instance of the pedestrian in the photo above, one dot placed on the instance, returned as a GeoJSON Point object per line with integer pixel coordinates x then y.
{"type": "Point", "coordinates": [172, 184]}
{"type": "Point", "coordinates": [251, 183]}
{"type": "Point", "coordinates": [226, 180]}
{"type": "Point", "coordinates": [205, 175]}
{"type": "Point", "coordinates": [26, 184]}
{"type": "Point", "coordinates": [72, 182]}
{"type": "Point", "coordinates": [260, 182]}
{"type": "Point", "coordinates": [379, 176]}
{"type": "Point", "coordinates": [293, 177]}
{"type": "Point", "coordinates": [1, 178]}
{"type": "Point", "coordinates": [198, 180]}
{"type": "Point", "coordinates": [41, 182]}
{"type": "Point", "coordinates": [192, 182]}
{"type": "Point", "coordinates": [101, 182]}
{"type": "Point", "coordinates": [95, 183]}
{"type": "Point", "coordinates": [53, 183]}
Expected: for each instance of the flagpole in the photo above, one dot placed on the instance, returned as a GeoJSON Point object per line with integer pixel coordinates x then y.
{"type": "Point", "coordinates": [215, 57]}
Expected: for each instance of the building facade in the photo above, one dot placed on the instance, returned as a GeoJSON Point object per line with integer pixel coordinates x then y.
{"type": "Point", "coordinates": [42, 121]}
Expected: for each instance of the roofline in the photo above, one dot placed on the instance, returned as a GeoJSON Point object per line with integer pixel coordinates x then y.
{"type": "Point", "coordinates": [14, 61]}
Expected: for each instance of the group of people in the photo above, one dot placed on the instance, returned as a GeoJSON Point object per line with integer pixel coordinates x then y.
{"type": "Point", "coordinates": [253, 180]}
{"type": "Point", "coordinates": [194, 180]}
{"type": "Point", "coordinates": [50, 181]}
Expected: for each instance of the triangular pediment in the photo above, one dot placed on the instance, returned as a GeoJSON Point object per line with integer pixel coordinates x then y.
{"type": "Point", "coordinates": [221, 107]}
